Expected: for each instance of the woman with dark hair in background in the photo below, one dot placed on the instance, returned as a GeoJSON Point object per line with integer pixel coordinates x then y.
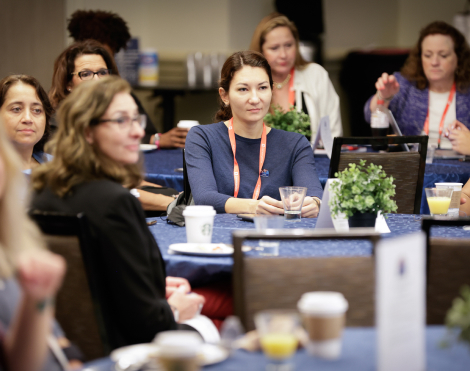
{"type": "Point", "coordinates": [85, 61]}
{"type": "Point", "coordinates": [111, 31]}
{"type": "Point", "coordinates": [96, 162]}
{"type": "Point", "coordinates": [431, 93]}
{"type": "Point", "coordinates": [296, 82]}
{"type": "Point", "coordinates": [26, 112]}
{"type": "Point", "coordinates": [286, 158]}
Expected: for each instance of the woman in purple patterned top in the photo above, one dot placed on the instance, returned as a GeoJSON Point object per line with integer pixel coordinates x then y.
{"type": "Point", "coordinates": [439, 61]}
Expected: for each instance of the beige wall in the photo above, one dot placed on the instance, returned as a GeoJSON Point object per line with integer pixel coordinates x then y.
{"type": "Point", "coordinates": [32, 37]}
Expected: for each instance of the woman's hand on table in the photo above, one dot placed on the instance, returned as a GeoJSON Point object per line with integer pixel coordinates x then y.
{"type": "Point", "coordinates": [268, 205]}
{"type": "Point", "coordinates": [188, 305]}
{"type": "Point", "coordinates": [174, 138]}
{"type": "Point", "coordinates": [459, 137]}
{"type": "Point", "coordinates": [174, 283]}
{"type": "Point", "coordinates": [310, 208]}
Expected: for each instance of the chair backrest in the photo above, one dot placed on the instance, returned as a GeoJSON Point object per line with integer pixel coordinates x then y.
{"type": "Point", "coordinates": [448, 268]}
{"type": "Point", "coordinates": [407, 168]}
{"type": "Point", "coordinates": [77, 306]}
{"type": "Point", "coordinates": [278, 283]}
{"type": "Point", "coordinates": [187, 197]}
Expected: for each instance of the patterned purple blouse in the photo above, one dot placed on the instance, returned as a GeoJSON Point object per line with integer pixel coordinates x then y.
{"type": "Point", "coordinates": [410, 107]}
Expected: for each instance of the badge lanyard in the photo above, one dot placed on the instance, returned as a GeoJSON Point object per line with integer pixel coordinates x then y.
{"type": "Point", "coordinates": [236, 170]}
{"type": "Point", "coordinates": [291, 88]}
{"type": "Point", "coordinates": [441, 125]}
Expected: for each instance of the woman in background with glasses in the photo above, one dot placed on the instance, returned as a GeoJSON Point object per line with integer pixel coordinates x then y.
{"type": "Point", "coordinates": [86, 61]}
{"type": "Point", "coordinates": [96, 162]}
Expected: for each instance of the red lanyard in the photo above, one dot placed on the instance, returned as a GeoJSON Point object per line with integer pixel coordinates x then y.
{"type": "Point", "coordinates": [441, 125]}
{"type": "Point", "coordinates": [291, 88]}
{"type": "Point", "coordinates": [236, 170]}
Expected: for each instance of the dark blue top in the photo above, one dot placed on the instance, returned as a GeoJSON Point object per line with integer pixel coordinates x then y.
{"type": "Point", "coordinates": [209, 159]}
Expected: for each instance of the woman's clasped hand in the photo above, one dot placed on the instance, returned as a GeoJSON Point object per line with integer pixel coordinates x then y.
{"type": "Point", "coordinates": [269, 205]}
{"type": "Point", "coordinates": [459, 136]}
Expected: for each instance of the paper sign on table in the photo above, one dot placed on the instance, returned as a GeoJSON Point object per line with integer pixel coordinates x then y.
{"type": "Point", "coordinates": [400, 303]}
{"type": "Point", "coordinates": [324, 133]}
{"type": "Point", "coordinates": [340, 223]}
{"type": "Point", "coordinates": [324, 217]}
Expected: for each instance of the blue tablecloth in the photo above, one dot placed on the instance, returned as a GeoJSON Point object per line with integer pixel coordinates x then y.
{"type": "Point", "coordinates": [358, 354]}
{"type": "Point", "coordinates": [203, 270]}
{"type": "Point", "coordinates": [160, 168]}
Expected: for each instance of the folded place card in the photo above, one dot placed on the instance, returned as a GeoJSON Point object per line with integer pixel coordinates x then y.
{"type": "Point", "coordinates": [400, 303]}
{"type": "Point", "coordinates": [324, 134]}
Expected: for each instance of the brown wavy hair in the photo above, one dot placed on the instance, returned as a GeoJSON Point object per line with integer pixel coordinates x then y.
{"type": "Point", "coordinates": [64, 66]}
{"type": "Point", "coordinates": [268, 24]}
{"type": "Point", "coordinates": [75, 159]}
{"type": "Point", "coordinates": [233, 64]}
{"type": "Point", "coordinates": [413, 68]}
{"type": "Point", "coordinates": [5, 85]}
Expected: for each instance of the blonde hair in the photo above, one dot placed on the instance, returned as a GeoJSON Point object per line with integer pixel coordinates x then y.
{"type": "Point", "coordinates": [268, 24]}
{"type": "Point", "coordinates": [75, 159]}
{"type": "Point", "coordinates": [17, 232]}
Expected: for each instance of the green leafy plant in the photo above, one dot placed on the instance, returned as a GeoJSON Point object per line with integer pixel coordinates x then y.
{"type": "Point", "coordinates": [294, 121]}
{"type": "Point", "coordinates": [459, 315]}
{"type": "Point", "coordinates": [362, 190]}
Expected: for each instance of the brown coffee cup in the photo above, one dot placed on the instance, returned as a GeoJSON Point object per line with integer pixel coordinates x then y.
{"type": "Point", "coordinates": [323, 314]}
{"type": "Point", "coordinates": [179, 350]}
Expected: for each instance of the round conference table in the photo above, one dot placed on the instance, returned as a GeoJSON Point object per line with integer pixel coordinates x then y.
{"type": "Point", "coordinates": [358, 354]}
{"type": "Point", "coordinates": [164, 167]}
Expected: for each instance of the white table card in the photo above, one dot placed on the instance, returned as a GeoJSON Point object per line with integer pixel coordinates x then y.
{"type": "Point", "coordinates": [400, 303]}
{"type": "Point", "coordinates": [324, 133]}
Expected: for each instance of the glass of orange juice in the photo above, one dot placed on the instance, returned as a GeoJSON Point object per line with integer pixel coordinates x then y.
{"type": "Point", "coordinates": [276, 329]}
{"type": "Point", "coordinates": [438, 200]}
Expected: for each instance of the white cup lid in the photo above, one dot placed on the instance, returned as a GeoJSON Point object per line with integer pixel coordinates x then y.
{"type": "Point", "coordinates": [198, 211]}
{"type": "Point", "coordinates": [456, 186]}
{"type": "Point", "coordinates": [185, 124]}
{"type": "Point", "coordinates": [322, 303]}
{"type": "Point", "coordinates": [178, 343]}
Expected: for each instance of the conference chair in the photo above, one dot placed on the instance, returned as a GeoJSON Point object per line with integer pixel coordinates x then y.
{"type": "Point", "coordinates": [407, 168]}
{"type": "Point", "coordinates": [78, 309]}
{"type": "Point", "coordinates": [279, 282]}
{"type": "Point", "coordinates": [448, 267]}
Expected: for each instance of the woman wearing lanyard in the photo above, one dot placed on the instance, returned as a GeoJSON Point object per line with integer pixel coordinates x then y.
{"type": "Point", "coordinates": [296, 82]}
{"type": "Point", "coordinates": [238, 164]}
{"type": "Point", "coordinates": [431, 94]}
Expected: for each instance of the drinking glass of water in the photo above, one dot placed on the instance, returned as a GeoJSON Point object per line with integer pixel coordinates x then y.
{"type": "Point", "coordinates": [292, 200]}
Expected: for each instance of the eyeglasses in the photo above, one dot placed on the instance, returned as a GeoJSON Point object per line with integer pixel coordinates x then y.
{"type": "Point", "coordinates": [89, 75]}
{"type": "Point", "coordinates": [125, 122]}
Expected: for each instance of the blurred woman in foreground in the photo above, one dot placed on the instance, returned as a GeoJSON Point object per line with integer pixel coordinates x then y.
{"type": "Point", "coordinates": [86, 61]}
{"type": "Point", "coordinates": [39, 273]}
{"type": "Point", "coordinates": [96, 162]}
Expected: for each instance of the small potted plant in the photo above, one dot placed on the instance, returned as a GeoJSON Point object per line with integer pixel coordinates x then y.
{"type": "Point", "coordinates": [458, 317]}
{"type": "Point", "coordinates": [294, 121]}
{"type": "Point", "coordinates": [361, 193]}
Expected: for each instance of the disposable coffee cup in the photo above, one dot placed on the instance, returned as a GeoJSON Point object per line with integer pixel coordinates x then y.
{"type": "Point", "coordinates": [178, 350]}
{"type": "Point", "coordinates": [187, 124]}
{"type": "Point", "coordinates": [455, 200]}
{"type": "Point", "coordinates": [323, 314]}
{"type": "Point", "coordinates": [199, 221]}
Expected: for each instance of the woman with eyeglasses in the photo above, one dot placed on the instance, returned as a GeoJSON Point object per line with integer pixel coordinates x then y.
{"type": "Point", "coordinates": [86, 61]}
{"type": "Point", "coordinates": [95, 164]}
